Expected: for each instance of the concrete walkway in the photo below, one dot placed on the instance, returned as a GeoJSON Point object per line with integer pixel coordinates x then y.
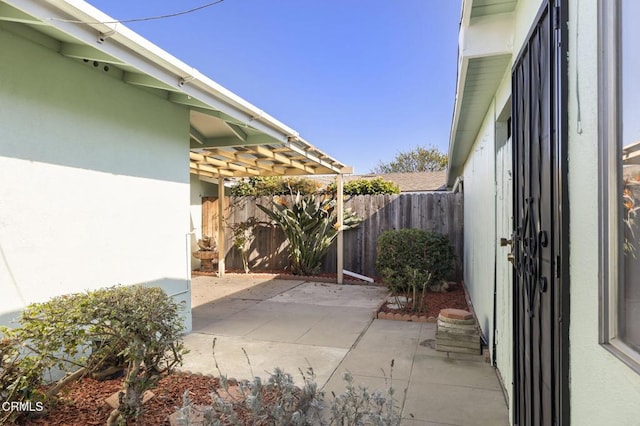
{"type": "Point", "coordinates": [295, 325]}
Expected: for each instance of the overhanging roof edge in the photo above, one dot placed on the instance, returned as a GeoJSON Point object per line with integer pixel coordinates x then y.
{"type": "Point", "coordinates": [170, 70]}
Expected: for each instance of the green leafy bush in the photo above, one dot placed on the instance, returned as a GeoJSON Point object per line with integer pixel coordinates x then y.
{"type": "Point", "coordinates": [135, 327]}
{"type": "Point", "coordinates": [400, 252]}
{"type": "Point", "coordinates": [273, 185]}
{"type": "Point", "coordinates": [310, 225]}
{"type": "Point", "coordinates": [364, 186]}
{"type": "Point", "coordinates": [20, 377]}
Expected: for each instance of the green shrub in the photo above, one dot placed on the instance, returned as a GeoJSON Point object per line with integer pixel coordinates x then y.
{"type": "Point", "coordinates": [273, 185]}
{"type": "Point", "coordinates": [364, 186]}
{"type": "Point", "coordinates": [400, 252]}
{"type": "Point", "coordinates": [137, 327]}
{"type": "Point", "coordinates": [20, 376]}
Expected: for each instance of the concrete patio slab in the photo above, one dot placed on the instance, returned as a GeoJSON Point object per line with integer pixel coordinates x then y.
{"type": "Point", "coordinates": [264, 357]}
{"type": "Point", "coordinates": [455, 405]}
{"type": "Point", "coordinates": [295, 324]}
{"type": "Point", "coordinates": [325, 294]}
{"type": "Point", "coordinates": [429, 369]}
{"type": "Point", "coordinates": [383, 342]}
{"type": "Point", "coordinates": [222, 309]}
{"type": "Point", "coordinates": [350, 324]}
{"type": "Point", "coordinates": [205, 289]}
{"type": "Point", "coordinates": [237, 324]}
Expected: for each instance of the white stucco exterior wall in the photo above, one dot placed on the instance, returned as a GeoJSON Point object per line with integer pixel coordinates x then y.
{"type": "Point", "coordinates": [604, 391]}
{"type": "Point", "coordinates": [95, 180]}
{"type": "Point", "coordinates": [479, 221]}
{"type": "Point", "coordinates": [504, 228]}
{"type": "Point", "coordinates": [482, 253]}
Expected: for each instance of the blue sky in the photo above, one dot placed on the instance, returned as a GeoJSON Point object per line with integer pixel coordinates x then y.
{"type": "Point", "coordinates": [361, 80]}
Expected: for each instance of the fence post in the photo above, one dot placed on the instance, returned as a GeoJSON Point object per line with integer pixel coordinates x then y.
{"type": "Point", "coordinates": [340, 242]}
{"type": "Point", "coordinates": [221, 232]}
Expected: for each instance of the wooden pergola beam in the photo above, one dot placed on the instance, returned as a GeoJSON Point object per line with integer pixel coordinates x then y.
{"type": "Point", "coordinates": [209, 169]}
{"type": "Point", "coordinates": [247, 162]}
{"type": "Point", "coordinates": [231, 166]}
{"type": "Point", "coordinates": [283, 159]}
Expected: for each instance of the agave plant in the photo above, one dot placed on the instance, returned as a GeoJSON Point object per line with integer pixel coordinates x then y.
{"type": "Point", "coordinates": [310, 226]}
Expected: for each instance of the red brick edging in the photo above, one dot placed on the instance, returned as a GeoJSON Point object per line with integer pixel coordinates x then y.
{"type": "Point", "coordinates": [404, 317]}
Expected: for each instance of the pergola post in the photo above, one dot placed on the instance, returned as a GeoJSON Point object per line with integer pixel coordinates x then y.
{"type": "Point", "coordinates": [340, 247]}
{"type": "Point", "coordinates": [221, 236]}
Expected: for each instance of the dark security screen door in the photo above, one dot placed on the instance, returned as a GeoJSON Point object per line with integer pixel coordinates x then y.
{"type": "Point", "coordinates": [540, 299]}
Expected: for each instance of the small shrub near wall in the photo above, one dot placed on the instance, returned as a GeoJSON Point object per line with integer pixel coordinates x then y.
{"type": "Point", "coordinates": [134, 328]}
{"type": "Point", "coordinates": [404, 251]}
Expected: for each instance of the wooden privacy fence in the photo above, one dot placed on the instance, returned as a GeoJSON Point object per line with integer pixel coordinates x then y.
{"type": "Point", "coordinates": [441, 212]}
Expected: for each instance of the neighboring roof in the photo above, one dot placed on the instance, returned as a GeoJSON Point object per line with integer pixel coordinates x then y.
{"type": "Point", "coordinates": [484, 55]}
{"type": "Point", "coordinates": [229, 136]}
{"type": "Point", "coordinates": [410, 182]}
{"type": "Point", "coordinates": [407, 182]}
{"type": "Point", "coordinates": [631, 153]}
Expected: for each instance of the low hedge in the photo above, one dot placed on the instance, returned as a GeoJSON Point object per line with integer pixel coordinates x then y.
{"type": "Point", "coordinates": [414, 249]}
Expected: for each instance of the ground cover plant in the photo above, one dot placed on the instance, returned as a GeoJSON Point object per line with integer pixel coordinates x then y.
{"type": "Point", "coordinates": [279, 402]}
{"type": "Point", "coordinates": [134, 329]}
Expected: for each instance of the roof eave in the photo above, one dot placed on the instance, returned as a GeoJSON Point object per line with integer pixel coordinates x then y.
{"type": "Point", "coordinates": [485, 52]}
{"type": "Point", "coordinates": [95, 29]}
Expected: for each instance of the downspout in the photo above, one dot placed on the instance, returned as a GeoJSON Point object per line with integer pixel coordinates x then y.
{"type": "Point", "coordinates": [188, 250]}
{"type": "Point", "coordinates": [457, 185]}
{"type": "Point", "coordinates": [494, 346]}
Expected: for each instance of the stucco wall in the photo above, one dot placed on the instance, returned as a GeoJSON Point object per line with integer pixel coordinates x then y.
{"type": "Point", "coordinates": [95, 180]}
{"type": "Point", "coordinates": [504, 228]}
{"type": "Point", "coordinates": [479, 224]}
{"type": "Point", "coordinates": [603, 390]}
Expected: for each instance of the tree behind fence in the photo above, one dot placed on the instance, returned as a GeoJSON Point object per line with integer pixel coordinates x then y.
{"type": "Point", "coordinates": [441, 212]}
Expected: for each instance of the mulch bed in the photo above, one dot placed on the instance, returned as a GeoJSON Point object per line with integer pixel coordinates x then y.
{"type": "Point", "coordinates": [82, 403]}
{"type": "Point", "coordinates": [454, 297]}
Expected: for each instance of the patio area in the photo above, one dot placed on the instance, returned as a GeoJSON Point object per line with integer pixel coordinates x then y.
{"type": "Point", "coordinates": [295, 324]}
